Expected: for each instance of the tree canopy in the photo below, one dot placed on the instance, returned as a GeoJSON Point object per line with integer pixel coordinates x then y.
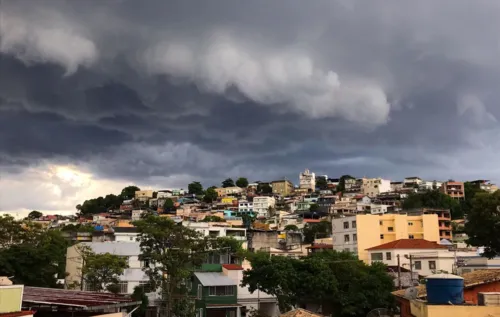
{"type": "Point", "coordinates": [313, 231]}
{"type": "Point", "coordinates": [195, 188]}
{"type": "Point", "coordinates": [228, 182]}
{"type": "Point", "coordinates": [264, 188]}
{"type": "Point", "coordinates": [35, 214]}
{"type": "Point", "coordinates": [339, 282]}
{"type": "Point", "coordinates": [314, 207]}
{"type": "Point", "coordinates": [483, 223]}
{"type": "Point", "coordinates": [168, 206]}
{"type": "Point", "coordinates": [291, 228]}
{"type": "Point", "coordinates": [210, 195]}
{"type": "Point", "coordinates": [242, 182]}
{"type": "Point", "coordinates": [433, 199]}
{"type": "Point", "coordinates": [341, 185]}
{"type": "Point", "coordinates": [129, 192]}
{"type": "Point", "coordinates": [321, 182]}
{"type": "Point", "coordinates": [213, 219]}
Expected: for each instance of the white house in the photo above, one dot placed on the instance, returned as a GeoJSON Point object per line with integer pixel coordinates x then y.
{"type": "Point", "coordinates": [371, 187]}
{"type": "Point", "coordinates": [245, 206]}
{"type": "Point", "coordinates": [217, 230]}
{"type": "Point", "coordinates": [412, 181]}
{"type": "Point", "coordinates": [125, 234]}
{"type": "Point", "coordinates": [426, 257]}
{"type": "Point", "coordinates": [261, 205]}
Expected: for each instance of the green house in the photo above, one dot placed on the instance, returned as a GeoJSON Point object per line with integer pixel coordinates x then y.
{"type": "Point", "coordinates": [216, 295]}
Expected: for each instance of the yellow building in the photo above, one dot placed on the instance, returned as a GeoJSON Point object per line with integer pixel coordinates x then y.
{"type": "Point", "coordinates": [144, 194]}
{"type": "Point", "coordinates": [11, 296]}
{"type": "Point", "coordinates": [283, 187]}
{"type": "Point", "coordinates": [421, 308]}
{"type": "Point", "coordinates": [360, 232]}
{"type": "Point", "coordinates": [228, 200]}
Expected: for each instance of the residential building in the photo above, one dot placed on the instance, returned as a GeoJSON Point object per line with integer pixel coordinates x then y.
{"type": "Point", "coordinates": [131, 277]}
{"type": "Point", "coordinates": [396, 186]}
{"type": "Point", "coordinates": [485, 185]}
{"type": "Point", "coordinates": [474, 283]}
{"type": "Point", "coordinates": [229, 191]}
{"type": "Point", "coordinates": [137, 214]}
{"type": "Point", "coordinates": [215, 295]}
{"type": "Point", "coordinates": [412, 181]}
{"type": "Point", "coordinates": [373, 209]}
{"type": "Point", "coordinates": [228, 200]}
{"type": "Point", "coordinates": [307, 180]}
{"type": "Point", "coordinates": [371, 187]}
{"type": "Point", "coordinates": [427, 257]}
{"type": "Point", "coordinates": [429, 185]}
{"type": "Point", "coordinates": [216, 230]}
{"type": "Point", "coordinates": [143, 195]}
{"type": "Point", "coordinates": [261, 205]}
{"type": "Point", "coordinates": [11, 299]}
{"type": "Point", "coordinates": [444, 218]}
{"type": "Point", "coordinates": [125, 234]}
{"type": "Point", "coordinates": [282, 187]}
{"type": "Point", "coordinates": [453, 189]}
{"type": "Point", "coordinates": [360, 232]}
{"type": "Point", "coordinates": [471, 263]}
{"type": "Point", "coordinates": [352, 185]}
{"type": "Point", "coordinates": [326, 203]}
{"type": "Point", "coordinates": [245, 206]}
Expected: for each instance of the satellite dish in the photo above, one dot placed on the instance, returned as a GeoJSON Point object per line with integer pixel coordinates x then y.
{"type": "Point", "coordinates": [379, 312]}
{"type": "Point", "coordinates": [411, 293]}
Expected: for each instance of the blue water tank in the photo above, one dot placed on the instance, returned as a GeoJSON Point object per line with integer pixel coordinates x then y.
{"type": "Point", "coordinates": [443, 289]}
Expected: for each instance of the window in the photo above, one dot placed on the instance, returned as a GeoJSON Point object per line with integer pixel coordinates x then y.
{"type": "Point", "coordinates": [347, 250]}
{"type": "Point", "coordinates": [388, 256]}
{"type": "Point", "coordinates": [123, 286]}
{"type": "Point", "coordinates": [89, 287]}
{"type": "Point", "coordinates": [131, 238]}
{"type": "Point", "coordinates": [377, 256]}
{"type": "Point", "coordinates": [200, 312]}
{"type": "Point", "coordinates": [418, 265]}
{"type": "Point", "coordinates": [411, 236]}
{"type": "Point", "coordinates": [380, 222]}
{"type": "Point", "coordinates": [227, 290]}
{"type": "Point", "coordinates": [410, 223]}
{"type": "Point", "coordinates": [390, 229]}
{"type": "Point", "coordinates": [353, 225]}
{"type": "Point", "coordinates": [146, 287]}
{"type": "Point", "coordinates": [145, 263]}
{"type": "Point", "coordinates": [346, 238]}
{"type": "Point", "coordinates": [346, 225]}
{"type": "Point", "coordinates": [382, 236]}
{"type": "Point", "coordinates": [355, 237]}
{"type": "Point", "coordinates": [432, 265]}
{"type": "Point", "coordinates": [199, 293]}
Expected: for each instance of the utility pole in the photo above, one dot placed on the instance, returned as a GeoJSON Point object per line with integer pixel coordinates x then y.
{"type": "Point", "coordinates": [411, 269]}
{"type": "Point", "coordinates": [399, 272]}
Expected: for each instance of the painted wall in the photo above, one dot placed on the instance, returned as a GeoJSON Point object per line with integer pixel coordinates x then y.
{"type": "Point", "coordinates": [421, 309]}
{"type": "Point", "coordinates": [11, 297]}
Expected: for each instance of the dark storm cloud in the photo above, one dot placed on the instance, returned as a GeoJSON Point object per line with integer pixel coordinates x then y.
{"type": "Point", "coordinates": [224, 88]}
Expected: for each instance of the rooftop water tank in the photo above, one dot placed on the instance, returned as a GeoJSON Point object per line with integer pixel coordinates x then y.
{"type": "Point", "coordinates": [445, 289]}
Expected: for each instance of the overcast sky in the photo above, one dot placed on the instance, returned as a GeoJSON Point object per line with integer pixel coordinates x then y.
{"type": "Point", "coordinates": [97, 95]}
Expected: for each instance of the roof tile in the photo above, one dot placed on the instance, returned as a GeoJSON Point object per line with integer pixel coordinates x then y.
{"type": "Point", "coordinates": [408, 244]}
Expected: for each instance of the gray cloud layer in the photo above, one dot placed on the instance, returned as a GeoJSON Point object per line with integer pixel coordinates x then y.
{"type": "Point", "coordinates": [205, 90]}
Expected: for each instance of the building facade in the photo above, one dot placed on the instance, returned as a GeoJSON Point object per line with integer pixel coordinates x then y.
{"type": "Point", "coordinates": [261, 205]}
{"type": "Point", "coordinates": [360, 232]}
{"type": "Point", "coordinates": [372, 187]}
{"type": "Point", "coordinates": [245, 206]}
{"type": "Point", "coordinates": [307, 180]}
{"type": "Point", "coordinates": [282, 187]}
{"type": "Point", "coordinates": [453, 189]}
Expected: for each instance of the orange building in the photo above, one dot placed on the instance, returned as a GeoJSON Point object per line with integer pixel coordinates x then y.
{"type": "Point", "coordinates": [453, 189]}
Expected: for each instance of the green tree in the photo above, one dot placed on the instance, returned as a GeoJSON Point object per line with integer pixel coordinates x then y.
{"type": "Point", "coordinates": [264, 189]}
{"type": "Point", "coordinates": [433, 199]}
{"type": "Point", "coordinates": [195, 188]}
{"type": "Point", "coordinates": [38, 261]}
{"type": "Point", "coordinates": [470, 191]}
{"type": "Point", "coordinates": [35, 214]}
{"type": "Point", "coordinates": [168, 206]}
{"type": "Point", "coordinates": [100, 271]}
{"type": "Point", "coordinates": [129, 192]}
{"type": "Point", "coordinates": [210, 195]}
{"type": "Point", "coordinates": [242, 182]}
{"type": "Point", "coordinates": [173, 251]}
{"type": "Point", "coordinates": [341, 185]}
{"type": "Point", "coordinates": [10, 231]}
{"type": "Point", "coordinates": [345, 287]}
{"type": "Point", "coordinates": [313, 231]}
{"type": "Point", "coordinates": [140, 295]}
{"type": "Point", "coordinates": [314, 208]}
{"type": "Point", "coordinates": [291, 228]}
{"type": "Point", "coordinates": [228, 182]}
{"type": "Point", "coordinates": [483, 223]}
{"type": "Point", "coordinates": [321, 182]}
{"type": "Point", "coordinates": [213, 219]}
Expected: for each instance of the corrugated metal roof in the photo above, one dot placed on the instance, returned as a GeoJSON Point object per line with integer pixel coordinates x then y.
{"type": "Point", "coordinates": [213, 279]}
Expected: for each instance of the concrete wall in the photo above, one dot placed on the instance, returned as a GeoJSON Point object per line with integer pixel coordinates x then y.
{"type": "Point", "coordinates": [421, 309]}
{"type": "Point", "coordinates": [11, 298]}
{"type": "Point", "coordinates": [269, 239]}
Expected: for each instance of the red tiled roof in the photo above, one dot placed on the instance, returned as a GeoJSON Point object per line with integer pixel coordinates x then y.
{"type": "Point", "coordinates": [312, 220]}
{"type": "Point", "coordinates": [18, 314]}
{"type": "Point", "coordinates": [408, 244]}
{"type": "Point", "coordinates": [232, 266]}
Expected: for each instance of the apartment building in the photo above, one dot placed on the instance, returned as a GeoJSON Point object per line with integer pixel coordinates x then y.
{"type": "Point", "coordinates": [245, 206]}
{"type": "Point", "coordinates": [261, 205]}
{"type": "Point", "coordinates": [143, 195]}
{"type": "Point", "coordinates": [131, 277]}
{"type": "Point", "coordinates": [216, 230]}
{"type": "Point", "coordinates": [430, 185]}
{"type": "Point", "coordinates": [485, 185]}
{"type": "Point", "coordinates": [307, 180]}
{"type": "Point", "coordinates": [444, 219]}
{"type": "Point", "coordinates": [360, 232]}
{"type": "Point", "coordinates": [453, 189]}
{"type": "Point", "coordinates": [282, 187]}
{"type": "Point", "coordinates": [371, 187]}
{"type": "Point", "coordinates": [412, 181]}
{"type": "Point", "coordinates": [226, 191]}
{"type": "Point", "coordinates": [352, 185]}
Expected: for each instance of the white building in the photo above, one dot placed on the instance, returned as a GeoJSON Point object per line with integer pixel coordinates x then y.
{"type": "Point", "coordinates": [217, 230]}
{"type": "Point", "coordinates": [307, 180]}
{"type": "Point", "coordinates": [412, 181]}
{"type": "Point", "coordinates": [427, 257]}
{"type": "Point", "coordinates": [125, 234]}
{"type": "Point", "coordinates": [371, 187]}
{"type": "Point", "coordinates": [131, 277]}
{"type": "Point", "coordinates": [430, 185]}
{"type": "Point", "coordinates": [261, 205]}
{"type": "Point", "coordinates": [136, 214]}
{"type": "Point", "coordinates": [245, 206]}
